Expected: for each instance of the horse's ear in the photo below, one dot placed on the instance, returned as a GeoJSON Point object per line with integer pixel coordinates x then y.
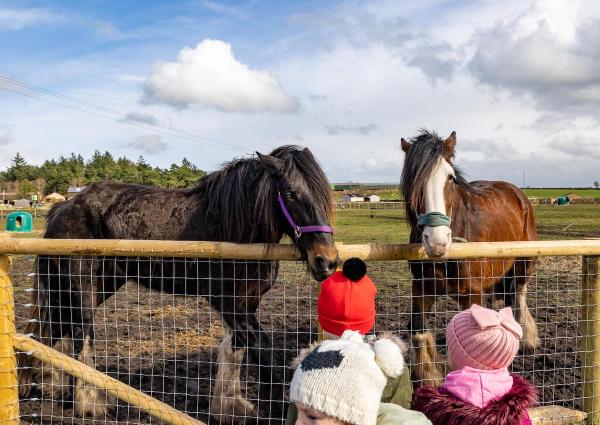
{"type": "Point", "coordinates": [274, 165]}
{"type": "Point", "coordinates": [450, 142]}
{"type": "Point", "coordinates": [308, 152]}
{"type": "Point", "coordinates": [405, 145]}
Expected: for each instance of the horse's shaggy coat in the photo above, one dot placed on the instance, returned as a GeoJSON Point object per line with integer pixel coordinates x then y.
{"type": "Point", "coordinates": [238, 204]}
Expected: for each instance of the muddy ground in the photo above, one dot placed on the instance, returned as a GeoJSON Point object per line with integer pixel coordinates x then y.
{"type": "Point", "coordinates": [166, 345]}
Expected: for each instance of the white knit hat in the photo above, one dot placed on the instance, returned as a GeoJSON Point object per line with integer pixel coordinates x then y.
{"type": "Point", "coordinates": [345, 378]}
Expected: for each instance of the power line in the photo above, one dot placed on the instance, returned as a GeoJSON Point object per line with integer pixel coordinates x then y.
{"type": "Point", "coordinates": [122, 117]}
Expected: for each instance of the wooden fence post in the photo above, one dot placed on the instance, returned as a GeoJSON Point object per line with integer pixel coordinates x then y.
{"type": "Point", "coordinates": [590, 334]}
{"type": "Point", "coordinates": [9, 391]}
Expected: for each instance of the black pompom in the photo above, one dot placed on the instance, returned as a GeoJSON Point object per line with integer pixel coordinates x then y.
{"type": "Point", "coordinates": [354, 269]}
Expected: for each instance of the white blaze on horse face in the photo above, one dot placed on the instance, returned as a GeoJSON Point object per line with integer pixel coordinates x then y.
{"type": "Point", "coordinates": [437, 240]}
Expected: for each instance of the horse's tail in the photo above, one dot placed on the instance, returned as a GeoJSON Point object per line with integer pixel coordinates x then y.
{"type": "Point", "coordinates": [38, 326]}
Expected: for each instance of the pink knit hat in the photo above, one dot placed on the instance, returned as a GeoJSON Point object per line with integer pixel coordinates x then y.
{"type": "Point", "coordinates": [482, 338]}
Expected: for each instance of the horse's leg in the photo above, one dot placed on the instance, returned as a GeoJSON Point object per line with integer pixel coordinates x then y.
{"type": "Point", "coordinates": [96, 280]}
{"type": "Point", "coordinates": [228, 404]}
{"type": "Point", "coordinates": [50, 302]}
{"type": "Point", "coordinates": [503, 291]}
{"type": "Point", "coordinates": [271, 387]}
{"type": "Point", "coordinates": [524, 270]}
{"type": "Point", "coordinates": [426, 365]}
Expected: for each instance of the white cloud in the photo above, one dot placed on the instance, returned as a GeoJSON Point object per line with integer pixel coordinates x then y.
{"type": "Point", "coordinates": [549, 52]}
{"type": "Point", "coordinates": [16, 19]}
{"type": "Point", "coordinates": [209, 75]}
{"type": "Point", "coordinates": [149, 143]}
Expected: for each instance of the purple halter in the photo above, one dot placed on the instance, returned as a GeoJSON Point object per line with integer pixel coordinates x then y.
{"type": "Point", "coordinates": [300, 230]}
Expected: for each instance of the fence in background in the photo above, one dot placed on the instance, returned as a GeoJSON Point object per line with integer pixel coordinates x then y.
{"type": "Point", "coordinates": [158, 352]}
{"type": "Point", "coordinates": [382, 205]}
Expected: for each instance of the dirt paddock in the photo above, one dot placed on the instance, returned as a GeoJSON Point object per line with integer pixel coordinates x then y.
{"type": "Point", "coordinates": [166, 345]}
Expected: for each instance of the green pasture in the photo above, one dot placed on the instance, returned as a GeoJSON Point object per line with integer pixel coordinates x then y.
{"type": "Point", "coordinates": [393, 194]}
{"type": "Point", "coordinates": [388, 225]}
{"type": "Point", "coordinates": [556, 192]}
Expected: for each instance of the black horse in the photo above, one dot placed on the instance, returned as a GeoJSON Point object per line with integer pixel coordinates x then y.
{"type": "Point", "coordinates": [249, 200]}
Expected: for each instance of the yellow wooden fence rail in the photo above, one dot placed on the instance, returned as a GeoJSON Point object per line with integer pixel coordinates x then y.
{"type": "Point", "coordinates": [225, 250]}
{"type": "Point", "coordinates": [91, 376]}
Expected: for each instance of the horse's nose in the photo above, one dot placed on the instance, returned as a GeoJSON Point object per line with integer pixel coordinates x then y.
{"type": "Point", "coordinates": [325, 265]}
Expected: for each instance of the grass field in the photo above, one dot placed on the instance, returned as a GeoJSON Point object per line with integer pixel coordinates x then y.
{"type": "Point", "coordinates": [393, 194]}
{"type": "Point", "coordinates": [388, 225]}
{"type": "Point", "coordinates": [556, 192]}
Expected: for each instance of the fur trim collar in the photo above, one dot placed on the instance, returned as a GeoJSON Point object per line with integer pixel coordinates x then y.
{"type": "Point", "coordinates": [444, 409]}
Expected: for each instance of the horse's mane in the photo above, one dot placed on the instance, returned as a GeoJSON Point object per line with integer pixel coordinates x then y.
{"type": "Point", "coordinates": [244, 194]}
{"type": "Point", "coordinates": [422, 157]}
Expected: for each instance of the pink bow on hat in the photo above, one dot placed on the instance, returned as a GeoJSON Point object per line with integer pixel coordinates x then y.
{"type": "Point", "coordinates": [485, 317]}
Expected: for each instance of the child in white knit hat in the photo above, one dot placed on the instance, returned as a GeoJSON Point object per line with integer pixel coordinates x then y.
{"type": "Point", "coordinates": [341, 382]}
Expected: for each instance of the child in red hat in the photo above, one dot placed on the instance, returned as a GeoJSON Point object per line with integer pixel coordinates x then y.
{"type": "Point", "coordinates": [347, 300]}
{"type": "Point", "coordinates": [347, 303]}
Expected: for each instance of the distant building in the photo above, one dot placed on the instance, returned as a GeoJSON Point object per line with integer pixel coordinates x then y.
{"type": "Point", "coordinates": [352, 197]}
{"type": "Point", "coordinates": [53, 198]}
{"type": "Point", "coordinates": [372, 198]}
{"type": "Point", "coordinates": [22, 203]}
{"type": "Point", "coordinates": [74, 190]}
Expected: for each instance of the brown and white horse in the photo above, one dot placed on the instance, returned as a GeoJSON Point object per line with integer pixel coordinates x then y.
{"type": "Point", "coordinates": [441, 206]}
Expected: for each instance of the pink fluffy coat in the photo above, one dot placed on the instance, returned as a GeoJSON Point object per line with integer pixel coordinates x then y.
{"type": "Point", "coordinates": [443, 407]}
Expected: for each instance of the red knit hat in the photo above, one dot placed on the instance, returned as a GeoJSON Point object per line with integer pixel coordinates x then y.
{"type": "Point", "coordinates": [347, 300]}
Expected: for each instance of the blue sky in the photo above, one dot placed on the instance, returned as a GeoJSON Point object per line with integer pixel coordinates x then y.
{"type": "Point", "coordinates": [518, 81]}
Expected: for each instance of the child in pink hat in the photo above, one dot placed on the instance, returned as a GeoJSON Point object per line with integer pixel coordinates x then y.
{"type": "Point", "coordinates": [482, 343]}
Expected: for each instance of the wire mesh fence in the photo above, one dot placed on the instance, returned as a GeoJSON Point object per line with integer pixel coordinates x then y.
{"type": "Point", "coordinates": [169, 344]}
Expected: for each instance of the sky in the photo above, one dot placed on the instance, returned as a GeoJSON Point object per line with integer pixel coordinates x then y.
{"type": "Point", "coordinates": [211, 81]}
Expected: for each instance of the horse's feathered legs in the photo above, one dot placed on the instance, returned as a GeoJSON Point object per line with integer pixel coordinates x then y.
{"type": "Point", "coordinates": [426, 363]}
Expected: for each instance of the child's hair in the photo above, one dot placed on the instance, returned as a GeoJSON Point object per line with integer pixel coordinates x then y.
{"type": "Point", "coordinates": [345, 378]}
{"type": "Point", "coordinates": [354, 269]}
{"type": "Point", "coordinates": [482, 338]}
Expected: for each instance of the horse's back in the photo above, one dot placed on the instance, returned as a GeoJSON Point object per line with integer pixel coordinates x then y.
{"type": "Point", "coordinates": [497, 211]}
{"type": "Point", "coordinates": [502, 189]}
{"type": "Point", "coordinates": [111, 210]}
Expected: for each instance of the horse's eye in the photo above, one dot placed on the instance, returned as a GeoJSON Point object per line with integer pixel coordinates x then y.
{"type": "Point", "coordinates": [290, 195]}
{"type": "Point", "coordinates": [450, 177]}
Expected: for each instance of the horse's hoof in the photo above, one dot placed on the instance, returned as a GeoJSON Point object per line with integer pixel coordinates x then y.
{"type": "Point", "coordinates": [90, 401]}
{"type": "Point", "coordinates": [427, 361]}
{"type": "Point", "coordinates": [229, 410]}
{"type": "Point", "coordinates": [53, 383]}
{"type": "Point", "coordinates": [498, 304]}
{"type": "Point", "coordinates": [428, 376]}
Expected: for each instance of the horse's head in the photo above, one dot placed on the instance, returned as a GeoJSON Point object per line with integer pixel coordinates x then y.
{"type": "Point", "coordinates": [304, 206]}
{"type": "Point", "coordinates": [428, 178]}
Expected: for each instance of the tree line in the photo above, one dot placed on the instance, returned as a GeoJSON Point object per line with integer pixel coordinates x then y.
{"type": "Point", "coordinates": [57, 175]}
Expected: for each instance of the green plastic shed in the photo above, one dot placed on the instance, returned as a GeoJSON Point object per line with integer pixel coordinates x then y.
{"type": "Point", "coordinates": [19, 221]}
